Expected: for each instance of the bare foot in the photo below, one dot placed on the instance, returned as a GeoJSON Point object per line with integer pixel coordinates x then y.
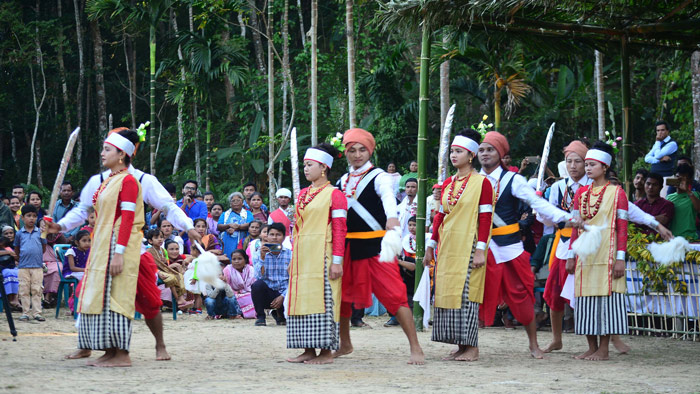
{"type": "Point", "coordinates": [471, 354]}
{"type": "Point", "coordinates": [621, 347]}
{"type": "Point", "coordinates": [453, 355]}
{"type": "Point", "coordinates": [598, 356]}
{"type": "Point", "coordinates": [584, 355]}
{"type": "Point", "coordinates": [108, 354]}
{"type": "Point", "coordinates": [343, 351]}
{"type": "Point", "coordinates": [325, 357]}
{"type": "Point", "coordinates": [162, 354]}
{"type": "Point", "coordinates": [80, 353]}
{"type": "Point", "coordinates": [120, 359]}
{"type": "Point", "coordinates": [537, 353]}
{"type": "Point", "coordinates": [417, 357]}
{"type": "Point", "coordinates": [308, 354]}
{"type": "Point", "coordinates": [553, 346]}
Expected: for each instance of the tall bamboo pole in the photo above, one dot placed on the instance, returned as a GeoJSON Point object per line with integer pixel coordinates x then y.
{"type": "Point", "coordinates": [152, 89]}
{"type": "Point", "coordinates": [422, 180]}
{"type": "Point", "coordinates": [600, 94]}
{"type": "Point", "coordinates": [626, 129]}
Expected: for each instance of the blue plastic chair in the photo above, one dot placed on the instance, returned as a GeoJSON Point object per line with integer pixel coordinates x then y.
{"type": "Point", "coordinates": [65, 283]}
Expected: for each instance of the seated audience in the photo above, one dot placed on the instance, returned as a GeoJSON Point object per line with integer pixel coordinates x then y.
{"type": "Point", "coordinates": [9, 269]}
{"type": "Point", "coordinates": [696, 184]}
{"type": "Point", "coordinates": [76, 257]}
{"type": "Point", "coordinates": [272, 274]}
{"type": "Point", "coordinates": [639, 184]}
{"type": "Point", "coordinates": [213, 218]}
{"type": "Point", "coordinates": [686, 203]}
{"type": "Point", "coordinates": [221, 303]}
{"type": "Point", "coordinates": [239, 274]}
{"type": "Point", "coordinates": [653, 204]}
{"type": "Point", "coordinates": [253, 234]}
{"type": "Point", "coordinates": [170, 274]}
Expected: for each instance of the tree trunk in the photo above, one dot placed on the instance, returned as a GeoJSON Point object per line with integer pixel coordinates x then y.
{"type": "Point", "coordinates": [37, 105]}
{"type": "Point", "coordinates": [241, 22]}
{"type": "Point", "coordinates": [180, 105]}
{"type": "Point", "coordinates": [152, 89]}
{"type": "Point", "coordinates": [257, 39]}
{"type": "Point", "coordinates": [301, 24]}
{"type": "Point", "coordinates": [270, 107]}
{"type": "Point", "coordinates": [695, 71]}
{"type": "Point", "coordinates": [600, 94]}
{"type": "Point", "coordinates": [62, 71]}
{"type": "Point", "coordinates": [228, 86]}
{"type": "Point", "coordinates": [100, 94]}
{"type": "Point", "coordinates": [39, 176]}
{"type": "Point", "coordinates": [285, 66]}
{"type": "Point", "coordinates": [350, 35]}
{"type": "Point", "coordinates": [497, 108]}
{"type": "Point", "coordinates": [314, 73]}
{"type": "Point", "coordinates": [195, 113]}
{"type": "Point", "coordinates": [81, 79]}
{"type": "Point", "coordinates": [130, 60]}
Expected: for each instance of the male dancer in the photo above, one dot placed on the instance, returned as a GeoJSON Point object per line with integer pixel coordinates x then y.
{"type": "Point", "coordinates": [155, 195]}
{"type": "Point", "coordinates": [508, 273]}
{"type": "Point", "coordinates": [371, 211]}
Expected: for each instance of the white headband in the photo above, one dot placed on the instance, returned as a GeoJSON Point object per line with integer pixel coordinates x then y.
{"type": "Point", "coordinates": [283, 192]}
{"type": "Point", "coordinates": [319, 156]}
{"type": "Point", "coordinates": [600, 156]}
{"type": "Point", "coordinates": [120, 142]}
{"type": "Point", "coordinates": [466, 143]}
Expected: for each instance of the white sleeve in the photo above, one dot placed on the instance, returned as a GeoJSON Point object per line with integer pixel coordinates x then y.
{"type": "Point", "coordinates": [636, 215]}
{"type": "Point", "coordinates": [79, 214]}
{"type": "Point", "coordinates": [384, 187]}
{"type": "Point", "coordinates": [155, 195]}
{"type": "Point", "coordinates": [524, 192]}
{"type": "Point", "coordinates": [70, 252]}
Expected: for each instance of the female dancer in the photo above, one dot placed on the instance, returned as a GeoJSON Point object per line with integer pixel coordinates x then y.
{"type": "Point", "coordinates": [461, 231]}
{"type": "Point", "coordinates": [600, 277]}
{"type": "Point", "coordinates": [313, 297]}
{"type": "Point", "coordinates": [109, 285]}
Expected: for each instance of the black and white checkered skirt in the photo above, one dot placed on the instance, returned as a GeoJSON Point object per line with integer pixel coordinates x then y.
{"type": "Point", "coordinates": [317, 331]}
{"type": "Point", "coordinates": [604, 315]}
{"type": "Point", "coordinates": [108, 329]}
{"type": "Point", "coordinates": [458, 326]}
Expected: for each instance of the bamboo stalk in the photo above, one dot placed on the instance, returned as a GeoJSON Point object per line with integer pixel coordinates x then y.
{"type": "Point", "coordinates": [626, 129]}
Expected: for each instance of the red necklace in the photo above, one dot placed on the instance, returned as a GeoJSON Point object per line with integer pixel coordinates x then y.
{"type": "Point", "coordinates": [354, 189]}
{"type": "Point", "coordinates": [308, 196]}
{"type": "Point", "coordinates": [104, 185]}
{"type": "Point", "coordinates": [587, 211]}
{"type": "Point", "coordinates": [452, 199]}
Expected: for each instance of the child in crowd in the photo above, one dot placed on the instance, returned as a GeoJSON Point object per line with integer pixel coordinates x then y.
{"type": "Point", "coordinates": [195, 288]}
{"type": "Point", "coordinates": [253, 234]}
{"type": "Point", "coordinates": [170, 274]}
{"type": "Point", "coordinates": [8, 266]}
{"type": "Point", "coordinates": [213, 218]}
{"type": "Point", "coordinates": [29, 247]}
{"type": "Point", "coordinates": [254, 246]}
{"type": "Point", "coordinates": [167, 229]}
{"type": "Point", "coordinates": [51, 275]}
{"type": "Point", "coordinates": [221, 303]}
{"type": "Point", "coordinates": [407, 265]}
{"type": "Point", "coordinates": [90, 226]}
{"type": "Point", "coordinates": [77, 256]}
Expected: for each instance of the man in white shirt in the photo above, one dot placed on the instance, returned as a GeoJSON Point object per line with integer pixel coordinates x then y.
{"type": "Point", "coordinates": [408, 206]}
{"type": "Point", "coordinates": [662, 155]}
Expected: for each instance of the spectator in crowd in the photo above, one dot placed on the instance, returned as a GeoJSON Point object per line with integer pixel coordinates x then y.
{"type": "Point", "coordinates": [507, 160]}
{"type": "Point", "coordinates": [696, 184]}
{"type": "Point", "coordinates": [6, 217]}
{"type": "Point", "coordinates": [34, 199]}
{"type": "Point", "coordinates": [29, 248]}
{"type": "Point", "coordinates": [686, 203]}
{"type": "Point", "coordinates": [255, 244]}
{"type": "Point", "coordinates": [199, 197]}
{"type": "Point", "coordinates": [409, 205]}
{"type": "Point", "coordinates": [253, 234]}
{"type": "Point", "coordinates": [661, 209]}
{"type": "Point", "coordinates": [209, 200]}
{"type": "Point", "coordinates": [272, 274]}
{"type": "Point", "coordinates": [170, 274]}
{"type": "Point", "coordinates": [8, 266]}
{"type": "Point", "coordinates": [662, 155]}
{"type": "Point", "coordinates": [63, 205]}
{"type": "Point", "coordinates": [395, 176]}
{"type": "Point", "coordinates": [285, 213]}
{"type": "Point", "coordinates": [239, 274]}
{"type": "Point", "coordinates": [15, 210]}
{"type": "Point", "coordinates": [256, 202]}
{"type": "Point", "coordinates": [193, 208]}
{"type": "Point", "coordinates": [412, 173]}
{"type": "Point", "coordinates": [51, 275]}
{"type": "Point", "coordinates": [249, 189]}
{"type": "Point", "coordinates": [167, 229]}
{"type": "Point", "coordinates": [213, 218]}
{"type": "Point", "coordinates": [432, 206]}
{"type": "Point", "coordinates": [221, 303]}
{"type": "Point", "coordinates": [18, 191]}
{"type": "Point", "coordinates": [233, 224]}
{"type": "Point", "coordinates": [90, 226]}
{"type": "Point", "coordinates": [407, 266]}
{"type": "Point", "coordinates": [77, 256]}
{"type": "Point", "coordinates": [5, 200]}
{"type": "Point", "coordinates": [639, 183]}
{"type": "Point", "coordinates": [210, 243]}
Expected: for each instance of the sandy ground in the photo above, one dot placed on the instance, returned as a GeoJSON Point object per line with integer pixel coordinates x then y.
{"type": "Point", "coordinates": [235, 356]}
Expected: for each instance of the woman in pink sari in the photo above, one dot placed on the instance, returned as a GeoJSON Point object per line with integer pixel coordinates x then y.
{"type": "Point", "coordinates": [240, 276]}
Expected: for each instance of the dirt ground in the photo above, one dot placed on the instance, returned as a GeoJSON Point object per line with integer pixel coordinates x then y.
{"type": "Point", "coordinates": [235, 356]}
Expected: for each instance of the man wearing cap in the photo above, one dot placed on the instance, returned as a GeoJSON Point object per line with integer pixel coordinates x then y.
{"type": "Point", "coordinates": [371, 211]}
{"type": "Point", "coordinates": [155, 195]}
{"type": "Point", "coordinates": [284, 213]}
{"type": "Point", "coordinates": [508, 273]}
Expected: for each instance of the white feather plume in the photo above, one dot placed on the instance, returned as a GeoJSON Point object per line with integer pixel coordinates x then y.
{"type": "Point", "coordinates": [588, 242]}
{"type": "Point", "coordinates": [669, 252]}
{"type": "Point", "coordinates": [208, 268]}
{"type": "Point", "coordinates": [391, 246]}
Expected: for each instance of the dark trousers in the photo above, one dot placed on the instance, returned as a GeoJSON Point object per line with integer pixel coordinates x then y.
{"type": "Point", "coordinates": [262, 296]}
{"type": "Point", "coordinates": [357, 315]}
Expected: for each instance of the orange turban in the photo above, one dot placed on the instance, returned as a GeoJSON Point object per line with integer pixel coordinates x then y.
{"type": "Point", "coordinates": [359, 136]}
{"type": "Point", "coordinates": [577, 147]}
{"type": "Point", "coordinates": [498, 141]}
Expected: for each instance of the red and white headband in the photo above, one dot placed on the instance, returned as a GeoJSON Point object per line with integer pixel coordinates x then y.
{"type": "Point", "coordinates": [122, 143]}
{"type": "Point", "coordinates": [466, 143]}
{"type": "Point", "coordinates": [599, 156]}
{"type": "Point", "coordinates": [319, 156]}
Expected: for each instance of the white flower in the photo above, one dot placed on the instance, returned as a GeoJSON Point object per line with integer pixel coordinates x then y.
{"type": "Point", "coordinates": [607, 133]}
{"type": "Point", "coordinates": [338, 135]}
